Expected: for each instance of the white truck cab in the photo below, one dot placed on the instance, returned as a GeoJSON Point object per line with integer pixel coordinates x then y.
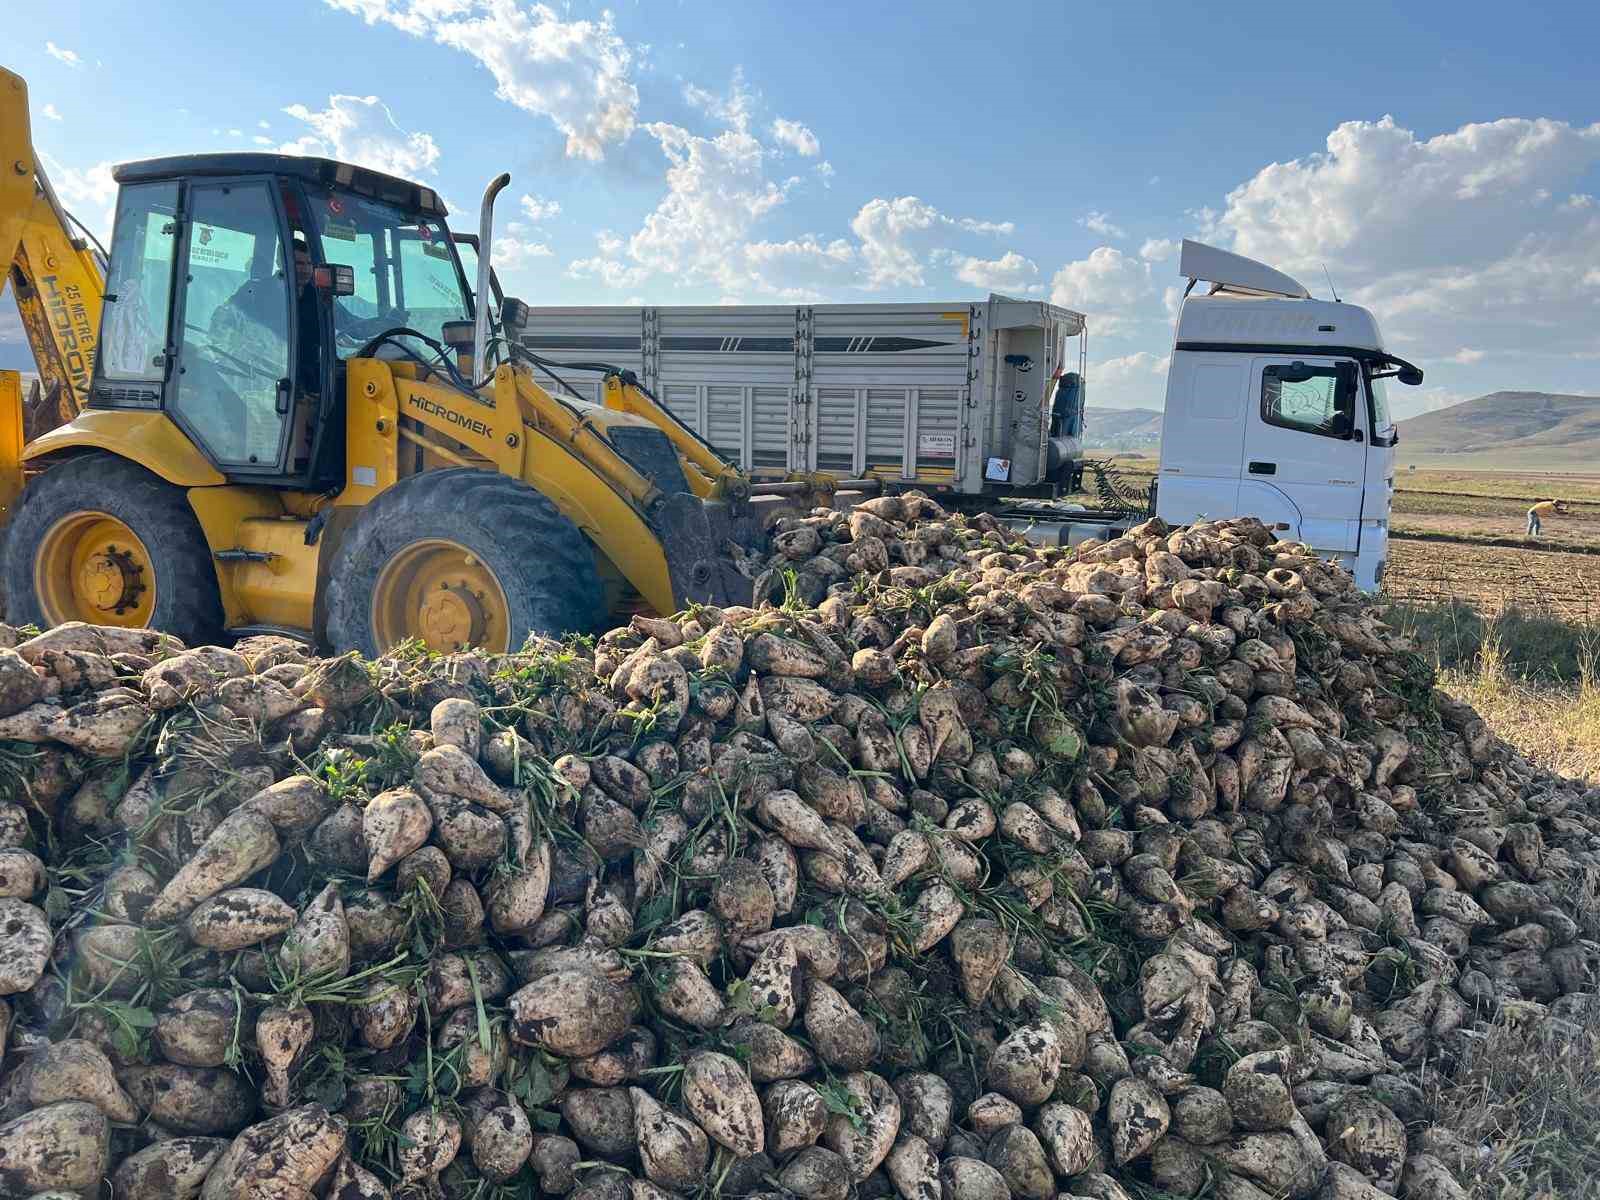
{"type": "Point", "coordinates": [1276, 409]}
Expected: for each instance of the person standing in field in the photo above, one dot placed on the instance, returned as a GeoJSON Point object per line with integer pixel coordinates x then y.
{"type": "Point", "coordinates": [1542, 509]}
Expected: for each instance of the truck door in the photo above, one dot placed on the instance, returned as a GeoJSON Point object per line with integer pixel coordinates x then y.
{"type": "Point", "coordinates": [1304, 449]}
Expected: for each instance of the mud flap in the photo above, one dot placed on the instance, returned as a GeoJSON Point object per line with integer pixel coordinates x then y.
{"type": "Point", "coordinates": [698, 538]}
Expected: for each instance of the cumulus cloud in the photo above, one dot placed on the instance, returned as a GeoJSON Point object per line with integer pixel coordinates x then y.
{"type": "Point", "coordinates": [362, 130]}
{"type": "Point", "coordinates": [898, 235]}
{"type": "Point", "coordinates": [796, 137]}
{"type": "Point", "coordinates": [89, 193]}
{"type": "Point", "coordinates": [1100, 223]}
{"type": "Point", "coordinates": [1157, 250]}
{"type": "Point", "coordinates": [1108, 285]}
{"type": "Point", "coordinates": [1446, 238]}
{"type": "Point", "coordinates": [717, 190]}
{"type": "Point", "coordinates": [1011, 272]}
{"type": "Point", "coordinates": [62, 55]}
{"type": "Point", "coordinates": [51, 112]}
{"type": "Point", "coordinates": [1137, 380]}
{"type": "Point", "coordinates": [575, 73]}
{"type": "Point", "coordinates": [536, 208]}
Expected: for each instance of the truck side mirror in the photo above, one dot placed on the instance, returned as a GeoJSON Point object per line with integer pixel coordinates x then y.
{"type": "Point", "coordinates": [1410, 376]}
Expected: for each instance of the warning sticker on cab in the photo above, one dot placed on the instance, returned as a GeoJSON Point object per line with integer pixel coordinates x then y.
{"type": "Point", "coordinates": [936, 445]}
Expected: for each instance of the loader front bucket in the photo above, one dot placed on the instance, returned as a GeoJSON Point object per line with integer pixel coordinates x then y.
{"type": "Point", "coordinates": [703, 541]}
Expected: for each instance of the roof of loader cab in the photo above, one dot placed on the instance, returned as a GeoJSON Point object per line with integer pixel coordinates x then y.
{"type": "Point", "coordinates": [402, 193]}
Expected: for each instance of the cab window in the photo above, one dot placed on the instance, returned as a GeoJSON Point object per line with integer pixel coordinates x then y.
{"type": "Point", "coordinates": [232, 384]}
{"type": "Point", "coordinates": [139, 284]}
{"type": "Point", "coordinates": [1311, 399]}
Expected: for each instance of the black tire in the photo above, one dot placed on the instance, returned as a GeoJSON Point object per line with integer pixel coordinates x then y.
{"type": "Point", "coordinates": [544, 565]}
{"type": "Point", "coordinates": [187, 601]}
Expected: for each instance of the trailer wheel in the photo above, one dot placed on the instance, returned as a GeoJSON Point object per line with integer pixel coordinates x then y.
{"type": "Point", "coordinates": [100, 539]}
{"type": "Point", "coordinates": [456, 559]}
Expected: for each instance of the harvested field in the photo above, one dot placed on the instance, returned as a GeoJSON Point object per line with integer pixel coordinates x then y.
{"type": "Point", "coordinates": [1494, 577]}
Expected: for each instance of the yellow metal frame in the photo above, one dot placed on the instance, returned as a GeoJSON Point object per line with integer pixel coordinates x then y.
{"type": "Point", "coordinates": [10, 442]}
{"type": "Point", "coordinates": [517, 428]}
{"type": "Point", "coordinates": [64, 287]}
{"type": "Point", "coordinates": [151, 439]}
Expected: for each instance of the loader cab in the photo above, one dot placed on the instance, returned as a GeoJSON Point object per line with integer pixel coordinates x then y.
{"type": "Point", "coordinates": [207, 319]}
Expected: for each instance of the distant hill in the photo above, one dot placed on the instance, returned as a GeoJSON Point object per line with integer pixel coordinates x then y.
{"type": "Point", "coordinates": [1122, 428]}
{"type": "Point", "coordinates": [1511, 429]}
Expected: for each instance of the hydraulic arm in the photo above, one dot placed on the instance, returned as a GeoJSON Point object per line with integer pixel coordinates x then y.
{"type": "Point", "coordinates": [56, 278]}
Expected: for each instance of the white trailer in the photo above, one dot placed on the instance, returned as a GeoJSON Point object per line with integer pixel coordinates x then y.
{"type": "Point", "coordinates": [980, 397]}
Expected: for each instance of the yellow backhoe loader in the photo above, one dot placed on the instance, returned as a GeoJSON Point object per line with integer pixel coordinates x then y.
{"type": "Point", "coordinates": [278, 408]}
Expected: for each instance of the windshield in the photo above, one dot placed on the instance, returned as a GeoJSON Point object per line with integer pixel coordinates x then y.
{"type": "Point", "coordinates": [405, 269]}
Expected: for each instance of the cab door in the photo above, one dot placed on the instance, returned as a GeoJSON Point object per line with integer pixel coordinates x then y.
{"type": "Point", "coordinates": [1305, 454]}
{"type": "Point", "coordinates": [232, 387]}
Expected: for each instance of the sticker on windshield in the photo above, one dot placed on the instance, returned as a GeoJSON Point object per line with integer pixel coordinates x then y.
{"type": "Point", "coordinates": [433, 251]}
{"type": "Point", "coordinates": [344, 233]}
{"type": "Point", "coordinates": [336, 206]}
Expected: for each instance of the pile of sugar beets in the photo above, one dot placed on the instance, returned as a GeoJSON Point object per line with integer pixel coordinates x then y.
{"type": "Point", "coordinates": [958, 870]}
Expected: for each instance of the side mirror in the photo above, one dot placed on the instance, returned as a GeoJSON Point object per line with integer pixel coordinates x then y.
{"type": "Point", "coordinates": [339, 278]}
{"type": "Point", "coordinates": [1410, 376]}
{"type": "Point", "coordinates": [514, 313]}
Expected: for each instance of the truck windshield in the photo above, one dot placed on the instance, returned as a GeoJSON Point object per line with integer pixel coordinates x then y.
{"type": "Point", "coordinates": [405, 268]}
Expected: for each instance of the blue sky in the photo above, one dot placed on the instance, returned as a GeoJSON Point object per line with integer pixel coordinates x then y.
{"type": "Point", "coordinates": [1441, 159]}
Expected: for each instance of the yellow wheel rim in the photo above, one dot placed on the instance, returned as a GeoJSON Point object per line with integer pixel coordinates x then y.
{"type": "Point", "coordinates": [92, 567]}
{"type": "Point", "coordinates": [442, 594]}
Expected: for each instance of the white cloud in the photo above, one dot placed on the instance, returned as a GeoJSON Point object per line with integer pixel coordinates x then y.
{"type": "Point", "coordinates": [362, 130]}
{"type": "Point", "coordinates": [898, 235]}
{"type": "Point", "coordinates": [1011, 272]}
{"type": "Point", "coordinates": [1157, 250]}
{"type": "Point", "coordinates": [259, 140]}
{"type": "Point", "coordinates": [717, 190]}
{"type": "Point", "coordinates": [263, 124]}
{"type": "Point", "coordinates": [536, 208]}
{"type": "Point", "coordinates": [1443, 238]}
{"type": "Point", "coordinates": [1467, 356]}
{"type": "Point", "coordinates": [63, 55]}
{"type": "Point", "coordinates": [826, 173]}
{"type": "Point", "coordinates": [236, 133]}
{"type": "Point", "coordinates": [1108, 286]}
{"type": "Point", "coordinates": [51, 112]}
{"type": "Point", "coordinates": [89, 193]}
{"type": "Point", "coordinates": [516, 248]}
{"type": "Point", "coordinates": [797, 137]}
{"type": "Point", "coordinates": [1578, 201]}
{"type": "Point", "coordinates": [1137, 380]}
{"type": "Point", "coordinates": [574, 73]}
{"type": "Point", "coordinates": [1099, 222]}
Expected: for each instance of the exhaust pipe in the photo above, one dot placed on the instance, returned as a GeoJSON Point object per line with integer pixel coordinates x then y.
{"type": "Point", "coordinates": [480, 301]}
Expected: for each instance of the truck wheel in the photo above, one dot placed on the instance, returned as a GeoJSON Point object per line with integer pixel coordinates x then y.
{"type": "Point", "coordinates": [456, 559]}
{"type": "Point", "coordinates": [100, 539]}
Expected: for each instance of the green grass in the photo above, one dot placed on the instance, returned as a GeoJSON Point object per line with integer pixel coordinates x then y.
{"type": "Point", "coordinates": [1535, 679]}
{"type": "Point", "coordinates": [1533, 647]}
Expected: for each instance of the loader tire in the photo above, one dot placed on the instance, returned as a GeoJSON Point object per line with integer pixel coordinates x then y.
{"type": "Point", "coordinates": [460, 558]}
{"type": "Point", "coordinates": [100, 539]}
